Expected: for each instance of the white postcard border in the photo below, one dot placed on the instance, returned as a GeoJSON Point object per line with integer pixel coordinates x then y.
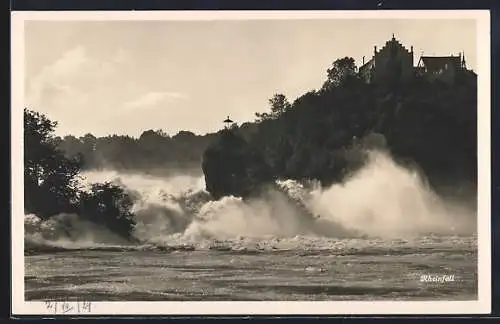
{"type": "Point", "coordinates": [482, 305]}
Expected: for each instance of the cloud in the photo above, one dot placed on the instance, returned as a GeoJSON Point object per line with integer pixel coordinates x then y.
{"type": "Point", "coordinates": [70, 62]}
{"type": "Point", "coordinates": [54, 77]}
{"type": "Point", "coordinates": [80, 81]}
{"type": "Point", "coordinates": [153, 98]}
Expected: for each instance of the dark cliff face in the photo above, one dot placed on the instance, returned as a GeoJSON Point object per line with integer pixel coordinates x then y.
{"type": "Point", "coordinates": [231, 167]}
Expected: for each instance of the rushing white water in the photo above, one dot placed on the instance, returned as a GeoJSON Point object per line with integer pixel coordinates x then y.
{"type": "Point", "coordinates": [371, 237]}
{"type": "Point", "coordinates": [382, 200]}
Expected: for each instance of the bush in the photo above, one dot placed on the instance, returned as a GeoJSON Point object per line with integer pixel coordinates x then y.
{"type": "Point", "coordinates": [108, 205]}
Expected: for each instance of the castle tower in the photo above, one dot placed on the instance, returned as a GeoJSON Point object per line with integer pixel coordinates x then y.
{"type": "Point", "coordinates": [391, 63]}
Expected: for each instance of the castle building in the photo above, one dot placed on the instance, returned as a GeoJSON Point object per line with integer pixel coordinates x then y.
{"type": "Point", "coordinates": [443, 68]}
{"type": "Point", "coordinates": [394, 63]}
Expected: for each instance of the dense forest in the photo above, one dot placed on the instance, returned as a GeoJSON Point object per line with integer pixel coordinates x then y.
{"type": "Point", "coordinates": [153, 152]}
{"type": "Point", "coordinates": [322, 135]}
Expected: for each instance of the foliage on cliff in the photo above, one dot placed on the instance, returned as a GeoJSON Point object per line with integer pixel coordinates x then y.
{"type": "Point", "coordinates": [429, 125]}
{"type": "Point", "coordinates": [52, 186]}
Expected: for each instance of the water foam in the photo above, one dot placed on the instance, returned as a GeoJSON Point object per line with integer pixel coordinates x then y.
{"type": "Point", "coordinates": [382, 200]}
{"type": "Point", "coordinates": [387, 200]}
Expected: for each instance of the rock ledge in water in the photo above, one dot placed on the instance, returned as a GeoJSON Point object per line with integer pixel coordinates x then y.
{"type": "Point", "coordinates": [232, 168]}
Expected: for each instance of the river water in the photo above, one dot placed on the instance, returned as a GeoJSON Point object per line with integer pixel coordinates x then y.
{"type": "Point", "coordinates": [341, 270]}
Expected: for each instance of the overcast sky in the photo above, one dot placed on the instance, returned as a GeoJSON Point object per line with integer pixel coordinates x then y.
{"type": "Point", "coordinates": [124, 77]}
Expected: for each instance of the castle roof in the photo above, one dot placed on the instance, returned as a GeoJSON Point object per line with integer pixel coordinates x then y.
{"type": "Point", "coordinates": [367, 65]}
{"type": "Point", "coordinates": [394, 43]}
{"type": "Point", "coordinates": [436, 63]}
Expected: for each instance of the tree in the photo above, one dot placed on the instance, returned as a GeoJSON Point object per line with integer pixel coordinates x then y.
{"type": "Point", "coordinates": [88, 147]}
{"type": "Point", "coordinates": [279, 105]}
{"type": "Point", "coordinates": [152, 135]}
{"type": "Point", "coordinates": [89, 140]}
{"type": "Point", "coordinates": [339, 72]}
{"type": "Point", "coordinates": [108, 205]}
{"type": "Point", "coordinates": [184, 135]}
{"type": "Point", "coordinates": [50, 183]}
{"type": "Point", "coordinates": [71, 146]}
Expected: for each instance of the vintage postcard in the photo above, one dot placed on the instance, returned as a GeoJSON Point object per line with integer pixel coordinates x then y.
{"type": "Point", "coordinates": [259, 162]}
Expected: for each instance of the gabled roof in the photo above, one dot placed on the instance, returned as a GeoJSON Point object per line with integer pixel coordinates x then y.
{"type": "Point", "coordinates": [394, 43]}
{"type": "Point", "coordinates": [436, 63]}
{"type": "Point", "coordinates": [367, 65]}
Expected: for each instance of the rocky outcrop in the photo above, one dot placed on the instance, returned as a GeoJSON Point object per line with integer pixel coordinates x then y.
{"type": "Point", "coordinates": [232, 167]}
